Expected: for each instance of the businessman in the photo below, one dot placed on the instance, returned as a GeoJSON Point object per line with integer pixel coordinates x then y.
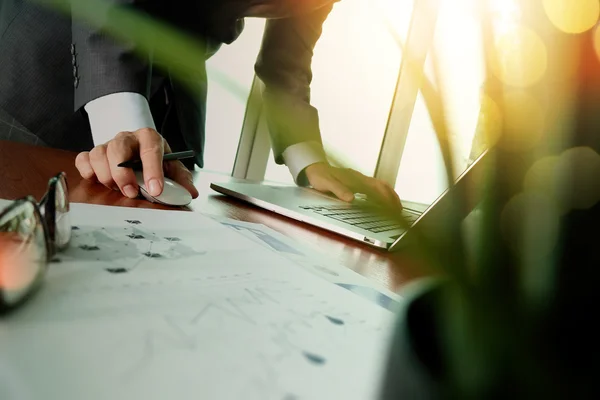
{"type": "Point", "coordinates": [69, 85]}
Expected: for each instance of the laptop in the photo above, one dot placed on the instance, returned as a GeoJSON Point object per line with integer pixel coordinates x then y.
{"type": "Point", "coordinates": [361, 220]}
{"type": "Point", "coordinates": [358, 220]}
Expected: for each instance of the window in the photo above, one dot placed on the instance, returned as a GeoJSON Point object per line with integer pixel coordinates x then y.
{"type": "Point", "coordinates": [230, 75]}
{"type": "Point", "coordinates": [459, 53]}
{"type": "Point", "coordinates": [355, 68]}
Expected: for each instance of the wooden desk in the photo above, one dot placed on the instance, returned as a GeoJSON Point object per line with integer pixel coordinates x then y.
{"type": "Point", "coordinates": [26, 169]}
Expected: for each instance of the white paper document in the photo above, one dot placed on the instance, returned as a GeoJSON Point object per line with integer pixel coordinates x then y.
{"type": "Point", "coordinates": [315, 262]}
{"type": "Point", "coordinates": [149, 304]}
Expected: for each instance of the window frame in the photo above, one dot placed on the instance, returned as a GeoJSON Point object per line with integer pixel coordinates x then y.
{"type": "Point", "coordinates": [419, 43]}
{"type": "Point", "coordinates": [254, 146]}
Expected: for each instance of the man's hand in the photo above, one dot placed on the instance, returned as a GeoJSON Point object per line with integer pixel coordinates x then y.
{"type": "Point", "coordinates": [343, 183]}
{"type": "Point", "coordinates": [101, 163]}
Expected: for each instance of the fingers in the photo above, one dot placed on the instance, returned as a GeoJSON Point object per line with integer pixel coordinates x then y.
{"type": "Point", "coordinates": [103, 160]}
{"type": "Point", "coordinates": [83, 165]}
{"type": "Point", "coordinates": [340, 190]}
{"type": "Point", "coordinates": [375, 189]}
{"type": "Point", "coordinates": [385, 192]}
{"type": "Point", "coordinates": [151, 148]}
{"type": "Point", "coordinates": [381, 191]}
{"type": "Point", "coordinates": [99, 163]}
{"type": "Point", "coordinates": [320, 178]}
{"type": "Point", "coordinates": [122, 148]}
{"type": "Point", "coordinates": [180, 174]}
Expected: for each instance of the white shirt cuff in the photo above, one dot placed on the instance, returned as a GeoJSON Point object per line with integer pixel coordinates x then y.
{"type": "Point", "coordinates": [299, 156]}
{"type": "Point", "coordinates": [118, 112]}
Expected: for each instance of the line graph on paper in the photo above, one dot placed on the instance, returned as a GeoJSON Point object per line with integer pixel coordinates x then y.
{"type": "Point", "coordinates": [254, 309]}
{"type": "Point", "coordinates": [266, 329]}
{"type": "Point", "coordinates": [263, 333]}
{"type": "Point", "coordinates": [174, 308]}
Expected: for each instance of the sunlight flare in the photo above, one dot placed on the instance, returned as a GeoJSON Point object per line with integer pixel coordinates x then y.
{"type": "Point", "coordinates": [570, 17]}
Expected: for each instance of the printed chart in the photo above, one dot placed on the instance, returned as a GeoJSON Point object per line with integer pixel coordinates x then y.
{"type": "Point", "coordinates": [160, 305]}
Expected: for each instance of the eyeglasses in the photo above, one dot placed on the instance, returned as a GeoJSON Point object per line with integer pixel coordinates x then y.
{"type": "Point", "coordinates": [31, 234]}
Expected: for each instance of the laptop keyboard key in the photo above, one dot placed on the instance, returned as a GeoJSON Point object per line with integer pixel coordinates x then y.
{"type": "Point", "coordinates": [386, 229]}
{"type": "Point", "coordinates": [369, 219]}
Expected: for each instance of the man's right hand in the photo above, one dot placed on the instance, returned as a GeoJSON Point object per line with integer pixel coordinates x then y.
{"type": "Point", "coordinates": [101, 163]}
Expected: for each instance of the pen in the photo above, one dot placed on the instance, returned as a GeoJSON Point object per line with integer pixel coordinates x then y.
{"type": "Point", "coordinates": [167, 157]}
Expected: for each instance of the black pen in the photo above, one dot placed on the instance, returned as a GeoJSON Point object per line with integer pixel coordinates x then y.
{"type": "Point", "coordinates": [167, 157]}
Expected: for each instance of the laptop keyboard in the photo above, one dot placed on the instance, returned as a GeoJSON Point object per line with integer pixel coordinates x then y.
{"type": "Point", "coordinates": [362, 218]}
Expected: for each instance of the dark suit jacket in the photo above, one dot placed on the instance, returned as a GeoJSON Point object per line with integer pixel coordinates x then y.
{"type": "Point", "coordinates": [51, 66]}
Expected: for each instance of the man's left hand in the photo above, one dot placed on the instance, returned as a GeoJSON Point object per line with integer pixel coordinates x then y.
{"type": "Point", "coordinates": [345, 182]}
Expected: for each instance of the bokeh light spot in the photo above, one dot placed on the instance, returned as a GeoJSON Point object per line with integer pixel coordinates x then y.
{"type": "Point", "coordinates": [570, 180]}
{"type": "Point", "coordinates": [579, 168]}
{"type": "Point", "coordinates": [597, 41]}
{"type": "Point", "coordinates": [572, 16]}
{"type": "Point", "coordinates": [521, 57]}
{"type": "Point", "coordinates": [529, 222]}
{"type": "Point", "coordinates": [543, 177]}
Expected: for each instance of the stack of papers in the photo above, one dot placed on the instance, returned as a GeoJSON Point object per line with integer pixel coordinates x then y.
{"type": "Point", "coordinates": [149, 304]}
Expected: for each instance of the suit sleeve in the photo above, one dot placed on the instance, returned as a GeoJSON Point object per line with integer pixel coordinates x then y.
{"type": "Point", "coordinates": [103, 65]}
{"type": "Point", "coordinates": [284, 66]}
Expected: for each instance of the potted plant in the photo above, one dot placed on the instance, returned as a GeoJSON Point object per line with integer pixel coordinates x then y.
{"type": "Point", "coordinates": [512, 316]}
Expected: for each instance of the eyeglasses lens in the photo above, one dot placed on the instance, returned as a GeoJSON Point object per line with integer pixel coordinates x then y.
{"type": "Point", "coordinates": [23, 252]}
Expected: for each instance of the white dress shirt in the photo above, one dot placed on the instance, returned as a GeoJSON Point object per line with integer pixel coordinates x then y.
{"type": "Point", "coordinates": [128, 111]}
